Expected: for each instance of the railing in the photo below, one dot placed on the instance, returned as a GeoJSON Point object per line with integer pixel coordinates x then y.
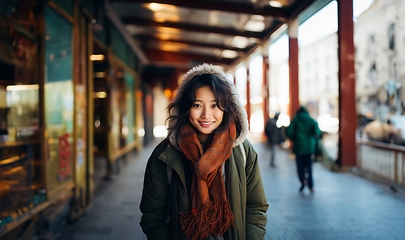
{"type": "Point", "coordinates": [383, 160]}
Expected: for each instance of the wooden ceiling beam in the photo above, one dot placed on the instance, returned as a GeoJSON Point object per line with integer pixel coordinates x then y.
{"type": "Point", "coordinates": [234, 7]}
{"type": "Point", "coordinates": [146, 38]}
{"type": "Point", "coordinates": [250, 51]}
{"type": "Point", "coordinates": [192, 27]}
{"type": "Point", "coordinates": [172, 58]}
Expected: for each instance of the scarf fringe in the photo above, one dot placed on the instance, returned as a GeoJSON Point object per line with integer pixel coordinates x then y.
{"type": "Point", "coordinates": [210, 218]}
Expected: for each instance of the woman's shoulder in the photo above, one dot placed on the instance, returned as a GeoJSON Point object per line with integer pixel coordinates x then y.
{"type": "Point", "coordinates": [159, 149]}
{"type": "Point", "coordinates": [165, 153]}
{"type": "Point", "coordinates": [161, 146]}
{"type": "Point", "coordinates": [247, 144]}
{"type": "Point", "coordinates": [246, 148]}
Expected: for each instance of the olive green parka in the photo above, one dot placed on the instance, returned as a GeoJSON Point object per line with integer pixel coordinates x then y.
{"type": "Point", "coordinates": [165, 192]}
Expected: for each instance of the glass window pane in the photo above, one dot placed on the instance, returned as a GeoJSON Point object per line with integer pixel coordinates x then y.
{"type": "Point", "coordinates": [59, 98]}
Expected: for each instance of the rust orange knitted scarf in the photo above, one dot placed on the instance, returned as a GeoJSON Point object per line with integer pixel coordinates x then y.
{"type": "Point", "coordinates": [211, 212]}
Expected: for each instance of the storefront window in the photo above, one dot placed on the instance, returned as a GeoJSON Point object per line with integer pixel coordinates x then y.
{"type": "Point", "coordinates": [23, 116]}
{"type": "Point", "coordinates": [21, 185]}
{"type": "Point", "coordinates": [59, 98]}
{"type": "Point", "coordinates": [130, 109]}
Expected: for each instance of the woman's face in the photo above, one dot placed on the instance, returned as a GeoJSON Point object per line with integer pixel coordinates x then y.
{"type": "Point", "coordinates": [205, 115]}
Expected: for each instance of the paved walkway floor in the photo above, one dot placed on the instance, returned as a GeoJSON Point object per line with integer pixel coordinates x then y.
{"type": "Point", "coordinates": [343, 206]}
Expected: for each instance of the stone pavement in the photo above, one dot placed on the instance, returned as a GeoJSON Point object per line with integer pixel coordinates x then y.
{"type": "Point", "coordinates": [343, 205]}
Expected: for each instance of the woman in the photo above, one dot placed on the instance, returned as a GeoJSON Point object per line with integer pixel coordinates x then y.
{"type": "Point", "coordinates": [199, 183]}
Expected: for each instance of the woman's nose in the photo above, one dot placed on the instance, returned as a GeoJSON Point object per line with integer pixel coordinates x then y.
{"type": "Point", "coordinates": [206, 112]}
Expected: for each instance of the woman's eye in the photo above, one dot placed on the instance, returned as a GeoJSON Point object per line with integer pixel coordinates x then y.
{"type": "Point", "coordinates": [196, 105]}
{"type": "Point", "coordinates": [215, 106]}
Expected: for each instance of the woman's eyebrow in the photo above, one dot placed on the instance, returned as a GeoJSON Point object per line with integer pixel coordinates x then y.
{"type": "Point", "coordinates": [198, 100]}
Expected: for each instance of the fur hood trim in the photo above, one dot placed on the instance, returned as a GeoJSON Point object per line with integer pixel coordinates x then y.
{"type": "Point", "coordinates": [210, 69]}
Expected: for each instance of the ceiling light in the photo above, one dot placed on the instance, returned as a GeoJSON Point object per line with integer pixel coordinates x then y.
{"type": "Point", "coordinates": [169, 47]}
{"type": "Point", "coordinates": [167, 93]}
{"type": "Point", "coordinates": [101, 94]}
{"type": "Point", "coordinates": [275, 4]}
{"type": "Point", "coordinates": [97, 57]}
{"type": "Point", "coordinates": [162, 7]}
{"type": "Point", "coordinates": [99, 74]}
{"type": "Point", "coordinates": [255, 26]}
{"type": "Point", "coordinates": [155, 7]}
{"type": "Point", "coordinates": [240, 42]}
{"type": "Point", "coordinates": [167, 30]}
{"type": "Point", "coordinates": [166, 16]}
{"type": "Point", "coordinates": [229, 54]}
{"type": "Point", "coordinates": [22, 87]}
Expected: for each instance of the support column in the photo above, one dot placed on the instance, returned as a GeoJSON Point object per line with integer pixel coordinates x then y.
{"type": "Point", "coordinates": [234, 77]}
{"type": "Point", "coordinates": [265, 83]}
{"type": "Point", "coordinates": [248, 92]}
{"type": "Point", "coordinates": [293, 66]}
{"type": "Point", "coordinates": [347, 152]}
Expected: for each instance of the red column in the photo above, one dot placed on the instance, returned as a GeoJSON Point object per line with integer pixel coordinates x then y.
{"type": "Point", "coordinates": [293, 66]}
{"type": "Point", "coordinates": [347, 99]}
{"type": "Point", "coordinates": [265, 87]}
{"type": "Point", "coordinates": [248, 93]}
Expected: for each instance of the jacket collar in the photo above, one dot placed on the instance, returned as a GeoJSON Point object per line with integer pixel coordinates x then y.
{"type": "Point", "coordinates": [173, 158]}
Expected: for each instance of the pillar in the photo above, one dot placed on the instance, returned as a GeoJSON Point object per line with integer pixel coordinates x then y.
{"type": "Point", "coordinates": [265, 82]}
{"type": "Point", "coordinates": [347, 151]}
{"type": "Point", "coordinates": [293, 66]}
{"type": "Point", "coordinates": [248, 112]}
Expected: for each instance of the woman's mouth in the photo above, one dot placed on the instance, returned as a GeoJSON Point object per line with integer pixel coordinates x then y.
{"type": "Point", "coordinates": [206, 124]}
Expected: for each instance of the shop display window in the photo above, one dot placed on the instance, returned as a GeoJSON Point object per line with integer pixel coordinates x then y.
{"type": "Point", "coordinates": [19, 104]}
{"type": "Point", "coordinates": [23, 113]}
{"type": "Point", "coordinates": [58, 99]}
{"type": "Point", "coordinates": [122, 110]}
{"type": "Point", "coordinates": [129, 118]}
{"type": "Point", "coordinates": [21, 168]}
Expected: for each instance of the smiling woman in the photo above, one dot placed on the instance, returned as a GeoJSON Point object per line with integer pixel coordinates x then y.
{"type": "Point", "coordinates": [207, 128]}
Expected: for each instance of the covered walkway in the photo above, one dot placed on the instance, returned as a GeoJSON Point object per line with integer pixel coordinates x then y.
{"type": "Point", "coordinates": [343, 205]}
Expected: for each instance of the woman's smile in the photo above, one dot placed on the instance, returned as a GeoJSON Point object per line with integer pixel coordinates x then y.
{"type": "Point", "coordinates": [206, 124]}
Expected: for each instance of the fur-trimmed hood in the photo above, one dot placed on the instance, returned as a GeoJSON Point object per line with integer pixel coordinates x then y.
{"type": "Point", "coordinates": [210, 69]}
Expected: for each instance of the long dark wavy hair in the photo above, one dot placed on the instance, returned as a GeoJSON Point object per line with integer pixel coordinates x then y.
{"type": "Point", "coordinates": [179, 109]}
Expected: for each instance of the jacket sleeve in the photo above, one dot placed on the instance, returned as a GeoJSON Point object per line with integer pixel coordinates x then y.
{"type": "Point", "coordinates": [256, 204]}
{"type": "Point", "coordinates": [289, 131]}
{"type": "Point", "coordinates": [318, 132]}
{"type": "Point", "coordinates": [154, 200]}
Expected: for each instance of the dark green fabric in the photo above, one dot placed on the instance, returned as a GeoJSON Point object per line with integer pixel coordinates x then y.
{"type": "Point", "coordinates": [303, 132]}
{"type": "Point", "coordinates": [245, 194]}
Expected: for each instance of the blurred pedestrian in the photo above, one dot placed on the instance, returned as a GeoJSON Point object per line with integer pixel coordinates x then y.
{"type": "Point", "coordinates": [274, 137]}
{"type": "Point", "coordinates": [203, 181]}
{"type": "Point", "coordinates": [304, 133]}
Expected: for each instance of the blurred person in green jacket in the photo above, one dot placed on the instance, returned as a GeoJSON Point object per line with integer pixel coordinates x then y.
{"type": "Point", "coordinates": [304, 133]}
{"type": "Point", "coordinates": [203, 181]}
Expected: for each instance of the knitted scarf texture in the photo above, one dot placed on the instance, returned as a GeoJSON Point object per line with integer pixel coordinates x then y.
{"type": "Point", "coordinates": [211, 212]}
